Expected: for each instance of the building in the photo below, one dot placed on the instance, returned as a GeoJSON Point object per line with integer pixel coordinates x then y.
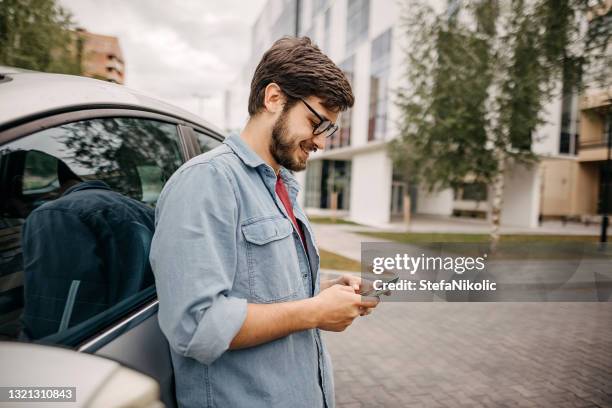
{"type": "Point", "coordinates": [355, 174]}
{"type": "Point", "coordinates": [101, 56]}
{"type": "Point", "coordinates": [573, 182]}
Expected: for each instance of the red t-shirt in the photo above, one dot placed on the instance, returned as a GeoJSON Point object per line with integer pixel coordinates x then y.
{"type": "Point", "coordinates": [281, 191]}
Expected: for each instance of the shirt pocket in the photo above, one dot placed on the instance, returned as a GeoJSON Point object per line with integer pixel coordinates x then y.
{"type": "Point", "coordinates": [271, 259]}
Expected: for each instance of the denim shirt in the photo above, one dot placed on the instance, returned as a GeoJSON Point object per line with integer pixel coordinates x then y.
{"type": "Point", "coordinates": [223, 238]}
{"type": "Point", "coordinates": [83, 253]}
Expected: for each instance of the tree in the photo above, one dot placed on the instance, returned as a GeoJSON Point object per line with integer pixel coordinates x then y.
{"type": "Point", "coordinates": [478, 77]}
{"type": "Point", "coordinates": [37, 35]}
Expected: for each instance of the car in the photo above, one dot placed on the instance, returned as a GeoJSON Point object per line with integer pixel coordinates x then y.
{"type": "Point", "coordinates": [53, 128]}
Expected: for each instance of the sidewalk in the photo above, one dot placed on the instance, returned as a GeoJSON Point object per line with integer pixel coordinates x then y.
{"type": "Point", "coordinates": [438, 354]}
{"type": "Point", "coordinates": [341, 239]}
{"type": "Point", "coordinates": [443, 224]}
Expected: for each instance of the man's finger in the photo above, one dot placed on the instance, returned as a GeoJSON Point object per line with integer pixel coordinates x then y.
{"type": "Point", "coordinates": [346, 288]}
{"type": "Point", "coordinates": [369, 301]}
{"type": "Point", "coordinates": [364, 311]}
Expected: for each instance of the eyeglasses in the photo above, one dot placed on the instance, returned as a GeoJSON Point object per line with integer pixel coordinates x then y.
{"type": "Point", "coordinates": [325, 126]}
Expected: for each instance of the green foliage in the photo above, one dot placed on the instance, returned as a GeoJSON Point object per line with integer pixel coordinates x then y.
{"type": "Point", "coordinates": [35, 34]}
{"type": "Point", "coordinates": [478, 79]}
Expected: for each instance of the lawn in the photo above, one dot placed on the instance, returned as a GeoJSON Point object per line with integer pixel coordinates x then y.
{"type": "Point", "coordinates": [329, 220]}
{"type": "Point", "coordinates": [541, 246]}
{"type": "Point", "coordinates": [331, 260]}
{"type": "Point", "coordinates": [415, 237]}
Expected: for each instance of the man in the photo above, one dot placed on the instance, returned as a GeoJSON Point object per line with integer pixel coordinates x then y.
{"type": "Point", "coordinates": [83, 253]}
{"type": "Point", "coordinates": [234, 257]}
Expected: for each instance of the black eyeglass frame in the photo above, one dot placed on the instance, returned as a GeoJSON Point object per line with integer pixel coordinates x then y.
{"type": "Point", "coordinates": [324, 125]}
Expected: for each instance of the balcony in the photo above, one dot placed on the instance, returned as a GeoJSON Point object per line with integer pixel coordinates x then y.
{"type": "Point", "coordinates": [595, 113]}
{"type": "Point", "coordinates": [594, 149]}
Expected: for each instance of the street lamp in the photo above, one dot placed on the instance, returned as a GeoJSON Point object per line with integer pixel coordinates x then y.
{"type": "Point", "coordinates": [606, 180]}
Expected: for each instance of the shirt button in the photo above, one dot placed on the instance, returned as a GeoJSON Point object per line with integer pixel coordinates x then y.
{"type": "Point", "coordinates": [304, 276]}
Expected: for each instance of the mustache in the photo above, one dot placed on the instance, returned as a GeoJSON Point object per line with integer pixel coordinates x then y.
{"type": "Point", "coordinates": [308, 146]}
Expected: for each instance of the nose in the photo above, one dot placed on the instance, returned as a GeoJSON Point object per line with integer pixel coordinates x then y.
{"type": "Point", "coordinates": [319, 141]}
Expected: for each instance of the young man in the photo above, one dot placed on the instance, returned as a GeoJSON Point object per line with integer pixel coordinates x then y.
{"type": "Point", "coordinates": [234, 257]}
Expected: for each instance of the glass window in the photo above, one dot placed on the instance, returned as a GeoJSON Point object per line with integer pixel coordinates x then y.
{"type": "Point", "coordinates": [206, 142]}
{"type": "Point", "coordinates": [313, 184]}
{"type": "Point", "coordinates": [326, 30]}
{"type": "Point", "coordinates": [357, 18]}
{"type": "Point", "coordinates": [471, 192]}
{"type": "Point", "coordinates": [343, 136]}
{"type": "Point", "coordinates": [76, 222]}
{"type": "Point", "coordinates": [379, 83]}
{"type": "Point", "coordinates": [317, 7]}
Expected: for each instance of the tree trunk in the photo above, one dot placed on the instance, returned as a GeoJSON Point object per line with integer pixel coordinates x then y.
{"type": "Point", "coordinates": [498, 193]}
{"type": "Point", "coordinates": [334, 206]}
{"type": "Point", "coordinates": [406, 209]}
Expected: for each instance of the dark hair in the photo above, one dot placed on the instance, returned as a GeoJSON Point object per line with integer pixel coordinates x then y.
{"type": "Point", "coordinates": [300, 69]}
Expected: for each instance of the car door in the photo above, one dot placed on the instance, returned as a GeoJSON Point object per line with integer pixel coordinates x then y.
{"type": "Point", "coordinates": [132, 153]}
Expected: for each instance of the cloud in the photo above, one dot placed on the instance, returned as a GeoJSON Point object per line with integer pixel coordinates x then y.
{"type": "Point", "coordinates": [174, 50]}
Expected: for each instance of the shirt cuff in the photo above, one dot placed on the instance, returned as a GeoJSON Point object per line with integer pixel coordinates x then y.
{"type": "Point", "coordinates": [217, 328]}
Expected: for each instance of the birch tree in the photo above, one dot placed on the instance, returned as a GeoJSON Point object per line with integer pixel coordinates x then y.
{"type": "Point", "coordinates": [478, 75]}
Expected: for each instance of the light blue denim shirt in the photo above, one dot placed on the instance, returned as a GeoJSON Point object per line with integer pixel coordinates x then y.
{"type": "Point", "coordinates": [223, 238]}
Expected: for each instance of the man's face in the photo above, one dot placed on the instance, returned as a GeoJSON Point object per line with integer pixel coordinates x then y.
{"type": "Point", "coordinates": [292, 134]}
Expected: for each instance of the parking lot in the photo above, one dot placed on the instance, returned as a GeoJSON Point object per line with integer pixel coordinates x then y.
{"type": "Point", "coordinates": [476, 355]}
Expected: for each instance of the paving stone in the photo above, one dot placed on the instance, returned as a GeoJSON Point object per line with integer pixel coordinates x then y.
{"type": "Point", "coordinates": [477, 355]}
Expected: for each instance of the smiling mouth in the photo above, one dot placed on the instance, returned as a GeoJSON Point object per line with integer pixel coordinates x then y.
{"type": "Point", "coordinates": [307, 151]}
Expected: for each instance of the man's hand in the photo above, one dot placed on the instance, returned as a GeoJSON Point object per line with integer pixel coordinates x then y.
{"type": "Point", "coordinates": [352, 281]}
{"type": "Point", "coordinates": [337, 306]}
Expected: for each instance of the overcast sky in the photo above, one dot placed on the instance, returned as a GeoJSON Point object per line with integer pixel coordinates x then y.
{"type": "Point", "coordinates": [175, 49]}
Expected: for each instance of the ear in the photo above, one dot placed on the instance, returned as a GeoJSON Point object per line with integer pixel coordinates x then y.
{"type": "Point", "coordinates": [274, 99]}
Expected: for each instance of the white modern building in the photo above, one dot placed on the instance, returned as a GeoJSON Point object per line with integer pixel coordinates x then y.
{"type": "Point", "coordinates": [364, 37]}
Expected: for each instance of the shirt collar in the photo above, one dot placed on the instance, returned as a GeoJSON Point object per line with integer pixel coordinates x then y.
{"type": "Point", "coordinates": [244, 152]}
{"type": "Point", "coordinates": [252, 159]}
{"type": "Point", "coordinates": [87, 185]}
{"type": "Point", "coordinates": [289, 179]}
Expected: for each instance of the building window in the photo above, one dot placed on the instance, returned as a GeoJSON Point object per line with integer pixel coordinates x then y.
{"type": "Point", "coordinates": [326, 28]}
{"type": "Point", "coordinates": [379, 86]}
{"type": "Point", "coordinates": [358, 14]}
{"type": "Point", "coordinates": [313, 184]}
{"type": "Point", "coordinates": [472, 191]}
{"type": "Point", "coordinates": [343, 136]}
{"type": "Point", "coordinates": [317, 7]}
{"type": "Point", "coordinates": [326, 181]}
{"type": "Point", "coordinates": [570, 119]}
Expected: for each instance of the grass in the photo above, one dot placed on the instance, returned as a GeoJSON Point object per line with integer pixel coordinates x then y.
{"type": "Point", "coordinates": [331, 260]}
{"type": "Point", "coordinates": [416, 237]}
{"type": "Point", "coordinates": [329, 220]}
{"type": "Point", "coordinates": [547, 251]}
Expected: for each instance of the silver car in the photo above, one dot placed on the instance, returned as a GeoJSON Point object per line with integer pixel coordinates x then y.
{"type": "Point", "coordinates": [59, 132]}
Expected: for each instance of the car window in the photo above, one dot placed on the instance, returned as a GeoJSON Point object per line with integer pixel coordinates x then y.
{"type": "Point", "coordinates": [76, 221]}
{"type": "Point", "coordinates": [206, 142]}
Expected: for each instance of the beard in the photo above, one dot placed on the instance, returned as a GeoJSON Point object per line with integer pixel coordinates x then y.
{"type": "Point", "coordinates": [283, 149]}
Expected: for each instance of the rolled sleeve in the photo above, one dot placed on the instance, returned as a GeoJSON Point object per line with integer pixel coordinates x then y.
{"type": "Point", "coordinates": [217, 329]}
{"type": "Point", "coordinates": [194, 260]}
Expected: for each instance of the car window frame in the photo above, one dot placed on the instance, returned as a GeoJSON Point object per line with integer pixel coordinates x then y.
{"type": "Point", "coordinates": [188, 146]}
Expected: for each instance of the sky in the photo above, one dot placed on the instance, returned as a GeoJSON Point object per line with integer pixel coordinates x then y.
{"type": "Point", "coordinates": [184, 52]}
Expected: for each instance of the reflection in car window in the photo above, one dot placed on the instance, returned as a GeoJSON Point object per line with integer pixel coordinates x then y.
{"type": "Point", "coordinates": [76, 220]}
{"type": "Point", "coordinates": [206, 142]}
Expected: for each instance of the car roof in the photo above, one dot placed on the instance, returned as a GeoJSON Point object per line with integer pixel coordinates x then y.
{"type": "Point", "coordinates": [25, 94]}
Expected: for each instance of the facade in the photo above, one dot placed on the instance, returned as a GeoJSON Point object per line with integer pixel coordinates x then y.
{"type": "Point", "coordinates": [354, 175]}
{"type": "Point", "coordinates": [573, 182]}
{"type": "Point", "coordinates": [101, 56]}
